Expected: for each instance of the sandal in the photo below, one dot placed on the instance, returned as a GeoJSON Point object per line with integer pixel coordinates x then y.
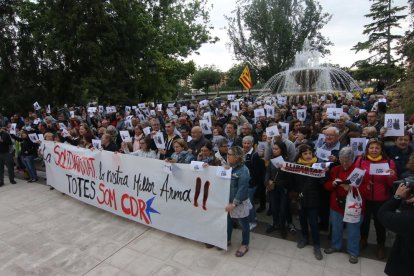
{"type": "Point", "coordinates": [242, 253]}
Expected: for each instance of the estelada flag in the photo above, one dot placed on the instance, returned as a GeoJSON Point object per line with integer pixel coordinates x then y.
{"type": "Point", "coordinates": [245, 78]}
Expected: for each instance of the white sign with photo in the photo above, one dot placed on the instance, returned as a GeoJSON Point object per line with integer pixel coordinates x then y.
{"type": "Point", "coordinates": [125, 136]}
{"type": "Point", "coordinates": [205, 127]}
{"type": "Point", "coordinates": [141, 105]}
{"type": "Point", "coordinates": [394, 123]}
{"type": "Point", "coordinates": [320, 141]}
{"type": "Point", "coordinates": [379, 169]}
{"type": "Point", "coordinates": [96, 143]}
{"type": "Point", "coordinates": [197, 165]}
{"type": "Point", "coordinates": [323, 154]}
{"type": "Point", "coordinates": [36, 106]}
{"type": "Point", "coordinates": [72, 114]}
{"type": "Point", "coordinates": [33, 137]}
{"type": "Point", "coordinates": [231, 97]}
{"type": "Point", "coordinates": [356, 177]}
{"type": "Point", "coordinates": [259, 112]}
{"type": "Point", "coordinates": [183, 109]}
{"type": "Point", "coordinates": [223, 172]}
{"type": "Point", "coordinates": [272, 131]}
{"type": "Point", "coordinates": [101, 109]}
{"type": "Point", "coordinates": [270, 111]}
{"type": "Point", "coordinates": [235, 106]}
{"type": "Point", "coordinates": [203, 103]}
{"type": "Point", "coordinates": [147, 131]}
{"type": "Point", "coordinates": [282, 100]}
{"type": "Point", "coordinates": [358, 146]}
{"type": "Point", "coordinates": [159, 140]}
{"type": "Point", "coordinates": [301, 114]}
{"type": "Point", "coordinates": [334, 113]}
{"type": "Point", "coordinates": [207, 117]}
{"type": "Point", "coordinates": [321, 166]}
{"type": "Point", "coordinates": [48, 110]}
{"type": "Point", "coordinates": [278, 162]}
{"type": "Point", "coordinates": [13, 128]}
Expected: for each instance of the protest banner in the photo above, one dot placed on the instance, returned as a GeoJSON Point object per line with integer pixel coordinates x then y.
{"type": "Point", "coordinates": [303, 170]}
{"type": "Point", "coordinates": [187, 203]}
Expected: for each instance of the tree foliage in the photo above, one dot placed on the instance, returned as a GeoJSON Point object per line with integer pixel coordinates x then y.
{"type": "Point", "coordinates": [73, 51]}
{"type": "Point", "coordinates": [205, 77]}
{"type": "Point", "coordinates": [385, 18]}
{"type": "Point", "coordinates": [267, 33]}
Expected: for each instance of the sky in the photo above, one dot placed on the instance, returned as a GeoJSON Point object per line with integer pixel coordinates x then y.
{"type": "Point", "coordinates": [344, 30]}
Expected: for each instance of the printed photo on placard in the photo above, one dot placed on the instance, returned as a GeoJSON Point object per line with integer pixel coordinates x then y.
{"type": "Point", "coordinates": [235, 106]}
{"type": "Point", "coordinates": [259, 112]}
{"type": "Point", "coordinates": [394, 123]}
{"type": "Point", "coordinates": [72, 114]}
{"type": "Point", "coordinates": [282, 100]}
{"type": "Point", "coordinates": [13, 128]}
{"type": "Point", "coordinates": [223, 173]}
{"type": "Point", "coordinates": [334, 113]}
{"type": "Point", "coordinates": [33, 137]}
{"type": "Point", "coordinates": [205, 127]}
{"type": "Point", "coordinates": [203, 103]}
{"type": "Point", "coordinates": [379, 169]}
{"type": "Point", "coordinates": [231, 97]}
{"type": "Point", "coordinates": [356, 177]}
{"type": "Point", "coordinates": [48, 110]}
{"type": "Point", "coordinates": [301, 114]}
{"type": "Point", "coordinates": [285, 129]}
{"type": "Point", "coordinates": [96, 143]}
{"type": "Point", "coordinates": [183, 109]}
{"type": "Point", "coordinates": [125, 136]}
{"type": "Point", "coordinates": [278, 162]}
{"type": "Point", "coordinates": [323, 154]}
{"type": "Point", "coordinates": [127, 109]}
{"type": "Point", "coordinates": [207, 117]}
{"type": "Point", "coordinates": [141, 105]}
{"type": "Point", "coordinates": [358, 146]}
{"type": "Point", "coordinates": [36, 121]}
{"type": "Point", "coordinates": [320, 141]}
{"type": "Point", "coordinates": [272, 131]}
{"type": "Point", "coordinates": [159, 140]}
{"type": "Point", "coordinates": [321, 166]}
{"type": "Point", "coordinates": [270, 111]}
{"type": "Point", "coordinates": [196, 165]}
{"type": "Point", "coordinates": [101, 109]}
{"type": "Point", "coordinates": [36, 106]}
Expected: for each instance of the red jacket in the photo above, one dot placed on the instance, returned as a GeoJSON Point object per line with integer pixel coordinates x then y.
{"type": "Point", "coordinates": [339, 172]}
{"type": "Point", "coordinates": [379, 185]}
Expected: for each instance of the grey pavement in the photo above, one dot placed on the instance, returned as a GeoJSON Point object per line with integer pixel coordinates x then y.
{"type": "Point", "coordinates": [43, 232]}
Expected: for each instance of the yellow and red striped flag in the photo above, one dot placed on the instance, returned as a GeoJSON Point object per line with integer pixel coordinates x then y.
{"type": "Point", "coordinates": [245, 78]}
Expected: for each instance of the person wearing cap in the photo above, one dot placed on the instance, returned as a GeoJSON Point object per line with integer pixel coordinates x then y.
{"type": "Point", "coordinates": [379, 187]}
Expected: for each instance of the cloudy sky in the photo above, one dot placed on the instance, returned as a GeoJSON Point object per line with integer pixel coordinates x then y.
{"type": "Point", "coordinates": [344, 30]}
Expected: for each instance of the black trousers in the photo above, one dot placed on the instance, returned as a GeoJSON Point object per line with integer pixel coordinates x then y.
{"type": "Point", "coordinates": [371, 210]}
{"type": "Point", "coordinates": [6, 159]}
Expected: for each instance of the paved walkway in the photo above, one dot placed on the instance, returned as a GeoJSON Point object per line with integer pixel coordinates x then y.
{"type": "Point", "coordinates": [43, 232]}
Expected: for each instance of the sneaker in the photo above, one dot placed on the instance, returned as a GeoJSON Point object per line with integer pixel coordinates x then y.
{"type": "Point", "coordinates": [353, 259]}
{"type": "Point", "coordinates": [252, 225]}
{"type": "Point", "coordinates": [318, 254]}
{"type": "Point", "coordinates": [13, 181]}
{"type": "Point", "coordinates": [302, 243]}
{"type": "Point", "coordinates": [292, 229]}
{"type": "Point", "coordinates": [330, 250]}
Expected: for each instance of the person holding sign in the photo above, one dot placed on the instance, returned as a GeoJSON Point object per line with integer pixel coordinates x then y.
{"type": "Point", "coordinates": [5, 156]}
{"type": "Point", "coordinates": [28, 154]}
{"type": "Point", "coordinates": [308, 189]}
{"type": "Point", "coordinates": [338, 186]}
{"type": "Point", "coordinates": [277, 184]}
{"type": "Point", "coordinates": [181, 154]}
{"type": "Point", "coordinates": [379, 187]}
{"type": "Point", "coordinates": [239, 196]}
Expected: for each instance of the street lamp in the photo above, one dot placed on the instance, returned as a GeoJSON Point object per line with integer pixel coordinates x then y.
{"type": "Point", "coordinates": [152, 69]}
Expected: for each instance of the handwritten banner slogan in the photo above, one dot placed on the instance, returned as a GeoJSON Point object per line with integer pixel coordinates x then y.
{"type": "Point", "coordinates": [185, 202]}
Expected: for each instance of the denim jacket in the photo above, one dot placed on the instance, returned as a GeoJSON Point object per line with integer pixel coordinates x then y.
{"type": "Point", "coordinates": [239, 184]}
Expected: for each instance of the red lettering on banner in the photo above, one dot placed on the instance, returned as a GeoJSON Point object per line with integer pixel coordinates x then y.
{"type": "Point", "coordinates": [108, 196]}
{"type": "Point", "coordinates": [70, 161]}
{"type": "Point", "coordinates": [136, 207]}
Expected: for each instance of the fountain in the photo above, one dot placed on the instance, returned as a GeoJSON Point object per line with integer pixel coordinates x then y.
{"type": "Point", "coordinates": [307, 76]}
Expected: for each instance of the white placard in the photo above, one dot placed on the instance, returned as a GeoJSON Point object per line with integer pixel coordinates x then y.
{"type": "Point", "coordinates": [192, 214]}
{"type": "Point", "coordinates": [285, 129]}
{"type": "Point", "coordinates": [362, 111]}
{"type": "Point", "coordinates": [379, 169]}
{"type": "Point", "coordinates": [281, 100]}
{"type": "Point", "coordinates": [100, 109]}
{"type": "Point", "coordinates": [65, 132]}
{"type": "Point", "coordinates": [301, 114]}
{"type": "Point", "coordinates": [358, 145]}
{"type": "Point", "coordinates": [113, 109]}
{"type": "Point", "coordinates": [382, 100]}
{"type": "Point", "coordinates": [159, 107]}
{"type": "Point", "coordinates": [270, 111]}
{"type": "Point", "coordinates": [272, 131]}
{"type": "Point", "coordinates": [203, 103]}
{"type": "Point", "coordinates": [321, 166]}
{"type": "Point", "coordinates": [167, 168]}
{"type": "Point", "coordinates": [96, 143]}
{"type": "Point", "coordinates": [207, 117]}
{"type": "Point", "coordinates": [171, 105]}
{"type": "Point", "coordinates": [48, 110]}
{"type": "Point", "coordinates": [41, 137]}
{"type": "Point", "coordinates": [183, 109]}
{"type": "Point", "coordinates": [278, 162]}
{"type": "Point", "coordinates": [259, 112]}
{"type": "Point", "coordinates": [72, 114]}
{"type": "Point", "coordinates": [197, 165]}
{"type": "Point", "coordinates": [125, 136]}
{"type": "Point", "coordinates": [334, 113]}
{"type": "Point", "coordinates": [231, 97]}
{"type": "Point", "coordinates": [394, 123]}
{"type": "Point", "coordinates": [159, 140]}
{"type": "Point", "coordinates": [323, 154]}
{"type": "Point", "coordinates": [92, 109]}
{"type": "Point", "coordinates": [141, 105]}
{"type": "Point", "coordinates": [356, 177]}
{"type": "Point", "coordinates": [261, 147]}
{"type": "Point", "coordinates": [36, 121]}
{"type": "Point", "coordinates": [152, 113]}
{"type": "Point", "coordinates": [33, 137]}
{"type": "Point", "coordinates": [127, 108]}
{"type": "Point", "coordinates": [205, 127]}
{"type": "Point", "coordinates": [147, 131]}
{"type": "Point", "coordinates": [169, 113]}
{"type": "Point", "coordinates": [223, 173]}
{"type": "Point", "coordinates": [235, 106]}
{"type": "Point", "coordinates": [36, 106]}
{"type": "Point", "coordinates": [13, 128]}
{"type": "Point", "coordinates": [108, 109]}
{"type": "Point", "coordinates": [320, 141]}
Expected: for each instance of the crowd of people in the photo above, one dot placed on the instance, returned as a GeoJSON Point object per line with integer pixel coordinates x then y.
{"type": "Point", "coordinates": [236, 134]}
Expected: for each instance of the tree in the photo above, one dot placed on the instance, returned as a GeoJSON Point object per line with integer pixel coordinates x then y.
{"type": "Point", "coordinates": [205, 77]}
{"type": "Point", "coordinates": [267, 33]}
{"type": "Point", "coordinates": [380, 37]}
{"type": "Point", "coordinates": [74, 51]}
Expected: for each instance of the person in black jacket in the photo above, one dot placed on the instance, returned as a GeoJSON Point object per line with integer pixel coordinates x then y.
{"type": "Point", "coordinates": [402, 223]}
{"type": "Point", "coordinates": [400, 152]}
{"type": "Point", "coordinates": [28, 154]}
{"type": "Point", "coordinates": [5, 157]}
{"type": "Point", "coordinates": [107, 143]}
{"type": "Point", "coordinates": [308, 189]}
{"type": "Point", "coordinates": [257, 172]}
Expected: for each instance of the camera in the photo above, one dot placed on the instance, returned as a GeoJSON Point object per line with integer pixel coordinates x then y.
{"type": "Point", "coordinates": [408, 181]}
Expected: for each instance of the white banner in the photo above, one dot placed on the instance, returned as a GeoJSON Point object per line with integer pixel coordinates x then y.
{"type": "Point", "coordinates": [187, 203]}
{"type": "Point", "coordinates": [303, 170]}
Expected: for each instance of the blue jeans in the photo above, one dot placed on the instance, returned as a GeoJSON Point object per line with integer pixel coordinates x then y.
{"type": "Point", "coordinates": [310, 215]}
{"type": "Point", "coordinates": [252, 212]}
{"type": "Point", "coordinates": [353, 231]}
{"type": "Point", "coordinates": [28, 162]}
{"type": "Point", "coordinates": [244, 222]}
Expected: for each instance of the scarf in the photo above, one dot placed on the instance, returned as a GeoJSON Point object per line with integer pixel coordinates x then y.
{"type": "Point", "coordinates": [307, 163]}
{"type": "Point", "coordinates": [376, 159]}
